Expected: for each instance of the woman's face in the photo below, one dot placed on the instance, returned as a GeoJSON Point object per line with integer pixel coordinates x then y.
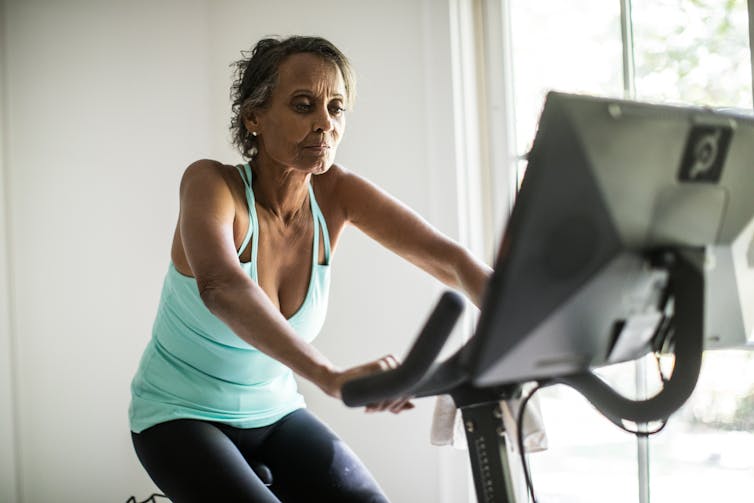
{"type": "Point", "coordinates": [305, 118]}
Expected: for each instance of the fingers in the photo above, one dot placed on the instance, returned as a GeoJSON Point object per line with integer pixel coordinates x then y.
{"type": "Point", "coordinates": [401, 405]}
{"type": "Point", "coordinates": [384, 364]}
{"type": "Point", "coordinates": [395, 406]}
{"type": "Point", "coordinates": [388, 362]}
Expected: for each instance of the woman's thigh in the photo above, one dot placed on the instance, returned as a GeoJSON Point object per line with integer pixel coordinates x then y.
{"type": "Point", "coordinates": [195, 461]}
{"type": "Point", "coordinates": [310, 463]}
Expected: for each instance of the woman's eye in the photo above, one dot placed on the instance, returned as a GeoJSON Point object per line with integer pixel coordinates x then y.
{"type": "Point", "coordinates": [302, 107]}
{"type": "Point", "coordinates": [337, 110]}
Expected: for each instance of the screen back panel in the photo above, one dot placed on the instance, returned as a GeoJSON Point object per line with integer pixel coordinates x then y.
{"type": "Point", "coordinates": [608, 180]}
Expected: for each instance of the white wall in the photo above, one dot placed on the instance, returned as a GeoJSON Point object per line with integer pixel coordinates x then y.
{"type": "Point", "coordinates": [7, 430]}
{"type": "Point", "coordinates": [105, 104]}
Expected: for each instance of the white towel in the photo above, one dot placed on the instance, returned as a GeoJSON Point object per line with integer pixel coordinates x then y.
{"type": "Point", "coordinates": [535, 436]}
{"type": "Point", "coordinates": [447, 424]}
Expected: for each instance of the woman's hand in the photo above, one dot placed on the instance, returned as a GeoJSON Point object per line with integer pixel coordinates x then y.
{"type": "Point", "coordinates": [339, 378]}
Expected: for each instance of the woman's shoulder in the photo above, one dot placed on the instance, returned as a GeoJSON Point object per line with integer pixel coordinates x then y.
{"type": "Point", "coordinates": [332, 180]}
{"type": "Point", "coordinates": [344, 184]}
{"type": "Point", "coordinates": [328, 188]}
{"type": "Point", "coordinates": [208, 167]}
{"type": "Point", "coordinates": [209, 170]}
{"type": "Point", "coordinates": [208, 177]}
{"type": "Point", "coordinates": [333, 183]}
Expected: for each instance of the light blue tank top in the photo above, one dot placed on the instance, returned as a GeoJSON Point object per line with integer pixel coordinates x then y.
{"type": "Point", "coordinates": [194, 366]}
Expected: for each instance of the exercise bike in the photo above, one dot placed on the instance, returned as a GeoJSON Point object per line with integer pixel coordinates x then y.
{"type": "Point", "coordinates": [632, 233]}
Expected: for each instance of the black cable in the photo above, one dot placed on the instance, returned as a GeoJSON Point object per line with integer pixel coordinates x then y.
{"type": "Point", "coordinates": [520, 432]}
{"type": "Point", "coordinates": [639, 433]}
{"type": "Point", "coordinates": [150, 499]}
{"type": "Point", "coordinates": [520, 435]}
{"type": "Point", "coordinates": [663, 378]}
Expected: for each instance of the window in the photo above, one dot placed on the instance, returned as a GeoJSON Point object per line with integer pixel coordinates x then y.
{"type": "Point", "coordinates": [568, 46]}
{"type": "Point", "coordinates": [672, 51]}
{"type": "Point", "coordinates": [692, 52]}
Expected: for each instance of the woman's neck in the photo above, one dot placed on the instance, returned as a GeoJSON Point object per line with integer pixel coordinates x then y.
{"type": "Point", "coordinates": [283, 192]}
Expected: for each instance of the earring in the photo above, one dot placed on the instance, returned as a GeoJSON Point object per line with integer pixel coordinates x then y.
{"type": "Point", "coordinates": [253, 133]}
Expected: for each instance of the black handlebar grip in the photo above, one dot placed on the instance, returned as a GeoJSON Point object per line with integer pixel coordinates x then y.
{"type": "Point", "coordinates": [398, 382]}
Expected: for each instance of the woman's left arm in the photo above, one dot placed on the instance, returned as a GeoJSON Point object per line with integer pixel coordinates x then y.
{"type": "Point", "coordinates": [402, 230]}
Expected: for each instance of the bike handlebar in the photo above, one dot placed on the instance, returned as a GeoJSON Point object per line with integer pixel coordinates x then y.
{"type": "Point", "coordinates": [400, 381]}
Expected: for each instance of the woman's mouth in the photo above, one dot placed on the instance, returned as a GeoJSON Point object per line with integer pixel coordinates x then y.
{"type": "Point", "coordinates": [318, 148]}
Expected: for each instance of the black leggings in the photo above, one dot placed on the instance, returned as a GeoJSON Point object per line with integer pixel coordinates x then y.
{"type": "Point", "coordinates": [192, 460]}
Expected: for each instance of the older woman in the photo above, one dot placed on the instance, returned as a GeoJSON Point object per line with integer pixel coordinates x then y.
{"type": "Point", "coordinates": [214, 402]}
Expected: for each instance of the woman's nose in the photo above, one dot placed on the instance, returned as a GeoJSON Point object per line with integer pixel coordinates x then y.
{"type": "Point", "coordinates": [323, 121]}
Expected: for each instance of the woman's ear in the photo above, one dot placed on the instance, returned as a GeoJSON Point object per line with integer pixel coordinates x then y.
{"type": "Point", "coordinates": [252, 123]}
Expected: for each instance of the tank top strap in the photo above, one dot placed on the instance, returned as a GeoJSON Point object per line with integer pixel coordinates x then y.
{"type": "Point", "coordinates": [245, 172]}
{"type": "Point", "coordinates": [319, 223]}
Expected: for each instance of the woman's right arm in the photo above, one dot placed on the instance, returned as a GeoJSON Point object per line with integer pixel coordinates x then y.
{"type": "Point", "coordinates": [207, 214]}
